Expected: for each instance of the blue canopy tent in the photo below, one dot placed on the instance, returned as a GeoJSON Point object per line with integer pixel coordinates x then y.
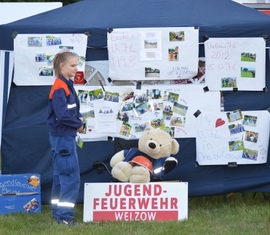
{"type": "Point", "coordinates": [25, 146]}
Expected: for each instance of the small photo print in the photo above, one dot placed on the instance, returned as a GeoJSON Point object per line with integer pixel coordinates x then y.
{"type": "Point", "coordinates": [251, 136]}
{"type": "Point", "coordinates": [228, 82]}
{"type": "Point", "coordinates": [141, 98]}
{"type": "Point", "coordinates": [153, 94]}
{"type": "Point", "coordinates": [236, 145]}
{"type": "Point", "coordinates": [250, 120]}
{"type": "Point", "coordinates": [53, 41]}
{"type": "Point", "coordinates": [83, 95]}
{"type": "Point", "coordinates": [31, 206]}
{"type": "Point", "coordinates": [250, 154]}
{"type": "Point", "coordinates": [167, 112]}
{"type": "Point", "coordinates": [152, 72]}
{"type": "Point", "coordinates": [95, 94]}
{"type": "Point", "coordinates": [248, 57]}
{"type": "Point", "coordinates": [234, 115]}
{"type": "Point", "coordinates": [236, 128]}
{"type": "Point", "coordinates": [125, 129]}
{"type": "Point", "coordinates": [178, 121]}
{"type": "Point", "coordinates": [150, 43]}
{"type": "Point", "coordinates": [248, 72]}
{"type": "Point", "coordinates": [169, 130]}
{"type": "Point", "coordinates": [34, 41]}
{"type": "Point", "coordinates": [177, 36]}
{"type": "Point", "coordinates": [173, 54]}
{"type": "Point", "coordinates": [127, 106]}
{"type": "Point", "coordinates": [140, 127]}
{"type": "Point", "coordinates": [40, 57]}
{"type": "Point", "coordinates": [155, 106]}
{"type": "Point", "coordinates": [88, 114]}
{"type": "Point", "coordinates": [157, 122]}
{"type": "Point", "coordinates": [141, 109]}
{"type": "Point", "coordinates": [123, 116]}
{"type": "Point", "coordinates": [45, 71]}
{"type": "Point", "coordinates": [180, 109]}
{"type": "Point", "coordinates": [127, 94]}
{"type": "Point", "coordinates": [170, 96]}
{"type": "Point", "coordinates": [111, 96]}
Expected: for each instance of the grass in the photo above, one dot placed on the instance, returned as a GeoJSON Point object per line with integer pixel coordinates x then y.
{"type": "Point", "coordinates": [221, 214]}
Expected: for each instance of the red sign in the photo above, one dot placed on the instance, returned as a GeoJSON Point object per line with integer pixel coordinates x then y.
{"type": "Point", "coordinates": [79, 78]}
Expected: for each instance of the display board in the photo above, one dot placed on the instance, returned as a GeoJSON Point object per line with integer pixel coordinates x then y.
{"type": "Point", "coordinates": [153, 53]}
{"type": "Point", "coordinates": [124, 111]}
{"type": "Point", "coordinates": [235, 137]}
{"type": "Point", "coordinates": [34, 54]}
{"type": "Point", "coordinates": [235, 63]}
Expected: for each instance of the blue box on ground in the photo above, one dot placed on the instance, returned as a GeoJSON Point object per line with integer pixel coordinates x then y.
{"type": "Point", "coordinates": [20, 193]}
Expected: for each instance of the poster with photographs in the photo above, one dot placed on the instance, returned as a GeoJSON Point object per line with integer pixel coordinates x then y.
{"type": "Point", "coordinates": [153, 53]}
{"type": "Point", "coordinates": [124, 111]}
{"type": "Point", "coordinates": [235, 63]}
{"type": "Point", "coordinates": [34, 54]}
{"type": "Point", "coordinates": [234, 137]}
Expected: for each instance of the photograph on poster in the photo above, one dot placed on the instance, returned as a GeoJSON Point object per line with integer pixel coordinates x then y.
{"type": "Point", "coordinates": [228, 82]}
{"type": "Point", "coordinates": [177, 36]}
{"type": "Point", "coordinates": [251, 136]}
{"type": "Point", "coordinates": [153, 93]}
{"type": "Point", "coordinates": [248, 57]}
{"type": "Point", "coordinates": [152, 72]}
{"type": "Point", "coordinates": [178, 121]}
{"type": "Point", "coordinates": [170, 96]}
{"type": "Point", "coordinates": [236, 128]}
{"type": "Point", "coordinates": [53, 41]}
{"type": "Point", "coordinates": [250, 154]}
{"type": "Point", "coordinates": [180, 109]}
{"type": "Point", "coordinates": [125, 129]}
{"type": "Point", "coordinates": [45, 71]}
{"type": "Point", "coordinates": [236, 145]}
{"type": "Point", "coordinates": [111, 96]}
{"type": "Point", "coordinates": [34, 41]}
{"type": "Point", "coordinates": [234, 115]}
{"type": "Point", "coordinates": [248, 72]}
{"type": "Point", "coordinates": [249, 120]}
{"type": "Point", "coordinates": [173, 54]}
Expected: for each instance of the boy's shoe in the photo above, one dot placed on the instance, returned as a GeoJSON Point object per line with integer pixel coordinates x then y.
{"type": "Point", "coordinates": [69, 222]}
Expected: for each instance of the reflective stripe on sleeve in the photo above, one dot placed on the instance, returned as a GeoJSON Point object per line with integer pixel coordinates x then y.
{"type": "Point", "coordinates": [54, 201]}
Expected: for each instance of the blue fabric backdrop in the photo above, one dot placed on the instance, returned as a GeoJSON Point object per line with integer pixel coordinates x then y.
{"type": "Point", "coordinates": [25, 146]}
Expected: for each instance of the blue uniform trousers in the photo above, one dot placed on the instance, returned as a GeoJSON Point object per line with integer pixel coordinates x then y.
{"type": "Point", "coordinates": [66, 177]}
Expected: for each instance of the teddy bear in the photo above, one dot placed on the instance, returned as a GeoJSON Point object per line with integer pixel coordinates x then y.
{"type": "Point", "coordinates": [149, 162]}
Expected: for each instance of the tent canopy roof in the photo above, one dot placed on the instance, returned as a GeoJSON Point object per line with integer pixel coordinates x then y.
{"type": "Point", "coordinates": [223, 18]}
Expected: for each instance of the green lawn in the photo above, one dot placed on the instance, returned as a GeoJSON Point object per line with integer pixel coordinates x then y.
{"type": "Point", "coordinates": [232, 214]}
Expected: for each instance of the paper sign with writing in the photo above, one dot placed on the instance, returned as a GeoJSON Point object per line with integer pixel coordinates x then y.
{"type": "Point", "coordinates": [235, 63]}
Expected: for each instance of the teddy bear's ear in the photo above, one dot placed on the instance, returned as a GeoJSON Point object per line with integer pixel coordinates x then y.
{"type": "Point", "coordinates": [175, 146]}
{"type": "Point", "coordinates": [148, 128]}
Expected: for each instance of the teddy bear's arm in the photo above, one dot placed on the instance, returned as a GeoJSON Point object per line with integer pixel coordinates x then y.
{"type": "Point", "coordinates": [118, 157]}
{"type": "Point", "coordinates": [169, 164]}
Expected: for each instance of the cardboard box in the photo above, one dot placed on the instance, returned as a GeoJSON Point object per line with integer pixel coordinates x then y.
{"type": "Point", "coordinates": [20, 193]}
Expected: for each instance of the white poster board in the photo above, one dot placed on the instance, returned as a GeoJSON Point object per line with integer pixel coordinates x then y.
{"type": "Point", "coordinates": [34, 54]}
{"type": "Point", "coordinates": [235, 63]}
{"type": "Point", "coordinates": [153, 53]}
{"type": "Point", "coordinates": [236, 137]}
{"type": "Point", "coordinates": [162, 201]}
{"type": "Point", "coordinates": [124, 111]}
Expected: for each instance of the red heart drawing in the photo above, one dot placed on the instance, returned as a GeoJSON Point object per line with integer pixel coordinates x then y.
{"type": "Point", "coordinates": [219, 122]}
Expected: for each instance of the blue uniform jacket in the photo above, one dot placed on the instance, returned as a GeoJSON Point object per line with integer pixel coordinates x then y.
{"type": "Point", "coordinates": [63, 109]}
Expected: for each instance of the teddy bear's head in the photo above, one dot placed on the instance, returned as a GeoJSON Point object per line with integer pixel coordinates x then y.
{"type": "Point", "coordinates": [157, 143]}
